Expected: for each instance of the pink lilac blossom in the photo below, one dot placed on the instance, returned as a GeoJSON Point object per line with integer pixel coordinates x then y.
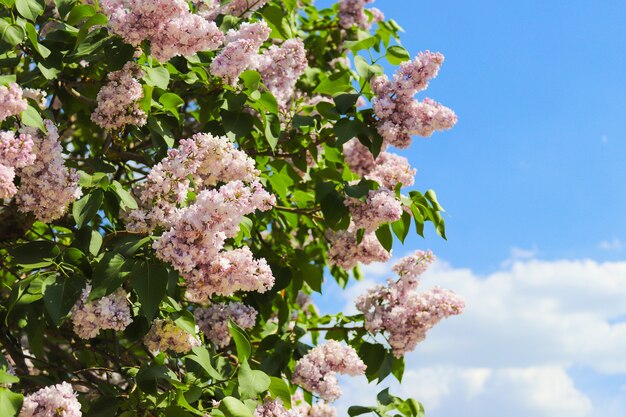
{"type": "Point", "coordinates": [165, 335]}
{"type": "Point", "coordinates": [47, 187]}
{"type": "Point", "coordinates": [38, 96]}
{"type": "Point", "coordinates": [274, 408]}
{"type": "Point", "coordinates": [241, 51]}
{"type": "Point", "coordinates": [210, 9]}
{"type": "Point", "coordinates": [345, 251]}
{"type": "Point", "coordinates": [403, 313]}
{"type": "Point", "coordinates": [388, 169]}
{"type": "Point", "coordinates": [206, 159]}
{"type": "Point", "coordinates": [380, 207]}
{"type": "Point", "coordinates": [57, 400]}
{"type": "Point", "coordinates": [193, 245]}
{"type": "Point", "coordinates": [352, 12]}
{"type": "Point", "coordinates": [15, 152]}
{"type": "Point", "coordinates": [169, 25]}
{"type": "Point", "coordinates": [118, 100]}
{"type": "Point", "coordinates": [304, 409]}
{"type": "Point", "coordinates": [213, 320]}
{"type": "Point", "coordinates": [281, 66]}
{"type": "Point", "coordinates": [110, 312]}
{"type": "Point", "coordinates": [317, 370]}
{"type": "Point", "coordinates": [12, 102]}
{"type": "Point", "coordinates": [7, 187]}
{"type": "Point", "coordinates": [400, 114]}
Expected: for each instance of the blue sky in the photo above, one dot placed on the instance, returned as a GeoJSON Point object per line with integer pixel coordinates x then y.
{"type": "Point", "coordinates": [533, 179]}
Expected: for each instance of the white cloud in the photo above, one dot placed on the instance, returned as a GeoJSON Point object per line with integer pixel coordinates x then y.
{"type": "Point", "coordinates": [614, 244]}
{"type": "Point", "coordinates": [509, 353]}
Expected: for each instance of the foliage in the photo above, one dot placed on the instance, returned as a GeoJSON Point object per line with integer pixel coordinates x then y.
{"type": "Point", "coordinates": [66, 49]}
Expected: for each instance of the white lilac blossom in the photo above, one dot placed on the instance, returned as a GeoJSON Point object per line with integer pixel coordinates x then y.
{"type": "Point", "coordinates": [54, 401]}
{"type": "Point", "coordinates": [118, 99]}
{"type": "Point", "coordinates": [352, 13]}
{"type": "Point", "coordinates": [380, 207]}
{"type": "Point", "coordinates": [317, 370]}
{"type": "Point", "coordinates": [400, 115]}
{"type": "Point", "coordinates": [401, 312]}
{"type": "Point", "coordinates": [241, 51]}
{"type": "Point", "coordinates": [109, 312]}
{"type": "Point", "coordinates": [12, 102]}
{"type": "Point", "coordinates": [193, 245]}
{"type": "Point", "coordinates": [213, 320]}
{"type": "Point", "coordinates": [165, 335]}
{"type": "Point", "coordinates": [39, 96]}
{"type": "Point", "coordinates": [345, 251]}
{"type": "Point", "coordinates": [281, 66]}
{"type": "Point", "coordinates": [48, 187]}
{"type": "Point", "coordinates": [169, 25]}
{"type": "Point", "coordinates": [388, 169]}
{"type": "Point", "coordinates": [205, 159]}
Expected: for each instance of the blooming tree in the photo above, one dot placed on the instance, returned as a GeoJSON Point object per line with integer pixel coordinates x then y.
{"type": "Point", "coordinates": [178, 178]}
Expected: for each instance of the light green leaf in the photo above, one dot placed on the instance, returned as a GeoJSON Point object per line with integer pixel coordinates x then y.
{"type": "Point", "coordinates": [280, 389]}
{"type": "Point", "coordinates": [30, 9]}
{"type": "Point", "coordinates": [127, 199]}
{"type": "Point", "coordinates": [232, 407]}
{"type": "Point", "coordinates": [157, 77]}
{"type": "Point", "coordinates": [244, 349]}
{"type": "Point", "coordinates": [31, 117]}
{"type": "Point", "coordinates": [251, 382]}
{"type": "Point", "coordinates": [397, 54]}
{"type": "Point", "coordinates": [10, 402]}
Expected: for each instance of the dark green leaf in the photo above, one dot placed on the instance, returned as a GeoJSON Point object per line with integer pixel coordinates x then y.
{"type": "Point", "coordinates": [149, 280]}
{"type": "Point", "coordinates": [35, 254]}
{"type": "Point", "coordinates": [60, 296]}
{"type": "Point", "coordinates": [383, 233]}
{"type": "Point", "coordinates": [87, 207]}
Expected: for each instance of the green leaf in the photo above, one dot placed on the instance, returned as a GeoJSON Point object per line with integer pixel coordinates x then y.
{"type": "Point", "coordinates": [338, 82]}
{"type": "Point", "coordinates": [312, 275]}
{"type": "Point", "coordinates": [64, 6]}
{"type": "Point", "coordinates": [345, 102]}
{"type": "Point", "coordinates": [157, 77]}
{"type": "Point", "coordinates": [7, 79]}
{"type": "Point", "coordinates": [98, 19]}
{"type": "Point", "coordinates": [127, 199]}
{"type": "Point", "coordinates": [397, 54]}
{"type": "Point", "coordinates": [7, 378]}
{"type": "Point", "coordinates": [401, 227]}
{"type": "Point", "coordinates": [31, 117]}
{"type": "Point", "coordinates": [148, 378]}
{"type": "Point", "coordinates": [237, 124]}
{"type": "Point", "coordinates": [359, 45]}
{"type": "Point", "coordinates": [201, 356]}
{"type": "Point", "coordinates": [244, 349]}
{"type": "Point", "coordinates": [79, 13]}
{"type": "Point", "coordinates": [10, 402]}
{"type": "Point", "coordinates": [33, 37]}
{"type": "Point", "coordinates": [60, 296]}
{"type": "Point", "coordinates": [30, 9]}
{"type": "Point", "coordinates": [251, 382]}
{"type": "Point", "coordinates": [108, 275]}
{"type": "Point", "coordinates": [357, 410]}
{"type": "Point", "coordinates": [149, 280]}
{"type": "Point", "coordinates": [87, 207]}
{"type": "Point", "coordinates": [232, 407]}
{"type": "Point", "coordinates": [35, 254]}
{"type": "Point", "coordinates": [280, 389]}
{"type": "Point", "coordinates": [171, 102]}
{"type": "Point", "coordinates": [383, 233]}
{"type": "Point", "coordinates": [104, 407]}
{"type": "Point", "coordinates": [346, 129]}
{"type": "Point", "coordinates": [11, 34]}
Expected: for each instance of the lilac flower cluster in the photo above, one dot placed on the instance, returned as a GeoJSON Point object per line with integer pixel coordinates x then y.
{"type": "Point", "coordinates": [402, 312]}
{"type": "Point", "coordinates": [47, 187]}
{"type": "Point", "coordinates": [388, 169]}
{"type": "Point", "coordinates": [317, 370]}
{"type": "Point", "coordinates": [319, 409]}
{"type": "Point", "coordinates": [11, 101]}
{"type": "Point", "coordinates": [118, 100]}
{"type": "Point", "coordinates": [210, 9]}
{"type": "Point", "coordinates": [346, 252]}
{"type": "Point", "coordinates": [39, 96]}
{"type": "Point", "coordinates": [400, 114]}
{"type": "Point", "coordinates": [281, 66]}
{"type": "Point", "coordinates": [380, 207]}
{"type": "Point", "coordinates": [352, 12]}
{"type": "Point", "coordinates": [169, 25]}
{"type": "Point", "coordinates": [213, 320]}
{"type": "Point", "coordinates": [165, 335]}
{"type": "Point", "coordinates": [241, 51]}
{"type": "Point", "coordinates": [110, 312]}
{"type": "Point", "coordinates": [193, 245]}
{"type": "Point", "coordinates": [15, 152]}
{"type": "Point", "coordinates": [56, 400]}
{"type": "Point", "coordinates": [274, 408]}
{"type": "Point", "coordinates": [203, 158]}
